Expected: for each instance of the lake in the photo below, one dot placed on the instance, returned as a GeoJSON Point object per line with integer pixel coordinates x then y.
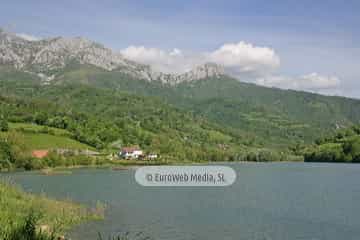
{"type": "Point", "coordinates": [279, 201]}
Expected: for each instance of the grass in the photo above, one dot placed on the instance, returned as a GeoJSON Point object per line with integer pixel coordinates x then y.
{"type": "Point", "coordinates": [28, 230]}
{"type": "Point", "coordinates": [47, 141]}
{"type": "Point", "coordinates": [41, 137]}
{"type": "Point", "coordinates": [57, 216]}
{"type": "Point", "coordinates": [34, 128]}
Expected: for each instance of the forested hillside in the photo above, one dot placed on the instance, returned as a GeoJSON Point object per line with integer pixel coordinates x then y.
{"type": "Point", "coordinates": [264, 116]}
{"type": "Point", "coordinates": [103, 118]}
{"type": "Point", "coordinates": [278, 118]}
{"type": "Point", "coordinates": [259, 116]}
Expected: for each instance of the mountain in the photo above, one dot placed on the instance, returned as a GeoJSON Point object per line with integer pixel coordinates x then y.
{"type": "Point", "coordinates": [257, 115]}
{"type": "Point", "coordinates": [47, 57]}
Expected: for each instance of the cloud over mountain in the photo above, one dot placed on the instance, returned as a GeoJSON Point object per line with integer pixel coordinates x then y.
{"type": "Point", "coordinates": [244, 57]}
{"type": "Point", "coordinates": [242, 60]}
{"type": "Point", "coordinates": [27, 37]}
{"type": "Point", "coordinates": [237, 58]}
{"type": "Point", "coordinates": [313, 82]}
{"type": "Point", "coordinates": [173, 61]}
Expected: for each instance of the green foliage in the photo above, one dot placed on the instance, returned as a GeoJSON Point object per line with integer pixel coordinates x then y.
{"type": "Point", "coordinates": [5, 155]}
{"type": "Point", "coordinates": [189, 121]}
{"type": "Point", "coordinates": [100, 117]}
{"type": "Point", "coordinates": [351, 148]}
{"type": "Point", "coordinates": [4, 126]}
{"type": "Point", "coordinates": [21, 215]}
{"type": "Point", "coordinates": [67, 160]}
{"type": "Point", "coordinates": [343, 146]}
{"type": "Point", "coordinates": [253, 115]}
{"type": "Point", "coordinates": [13, 151]}
{"type": "Point", "coordinates": [28, 230]}
{"type": "Point", "coordinates": [256, 115]}
{"type": "Point", "coordinates": [47, 141]}
{"type": "Point", "coordinates": [266, 155]}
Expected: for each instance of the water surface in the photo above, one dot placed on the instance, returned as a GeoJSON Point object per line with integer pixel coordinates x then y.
{"type": "Point", "coordinates": [280, 201]}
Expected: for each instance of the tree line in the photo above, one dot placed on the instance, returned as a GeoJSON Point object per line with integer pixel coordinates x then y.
{"type": "Point", "coordinates": [343, 146]}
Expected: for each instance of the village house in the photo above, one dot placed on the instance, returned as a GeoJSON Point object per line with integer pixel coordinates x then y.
{"type": "Point", "coordinates": [133, 152]}
{"type": "Point", "coordinates": [152, 156]}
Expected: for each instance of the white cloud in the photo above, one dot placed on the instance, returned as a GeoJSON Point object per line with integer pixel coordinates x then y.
{"type": "Point", "coordinates": [27, 37]}
{"type": "Point", "coordinates": [239, 58]}
{"type": "Point", "coordinates": [313, 82]}
{"type": "Point", "coordinates": [174, 61]}
{"type": "Point", "coordinates": [242, 60]}
{"type": "Point", "coordinates": [243, 57]}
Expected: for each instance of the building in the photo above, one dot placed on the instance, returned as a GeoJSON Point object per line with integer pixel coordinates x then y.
{"type": "Point", "coordinates": [152, 156]}
{"type": "Point", "coordinates": [131, 152]}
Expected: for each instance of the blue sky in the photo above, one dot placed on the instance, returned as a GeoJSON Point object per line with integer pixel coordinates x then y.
{"type": "Point", "coordinates": [321, 37]}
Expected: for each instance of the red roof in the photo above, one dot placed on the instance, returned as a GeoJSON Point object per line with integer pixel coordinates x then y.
{"type": "Point", "coordinates": [130, 149]}
{"type": "Point", "coordinates": [40, 153]}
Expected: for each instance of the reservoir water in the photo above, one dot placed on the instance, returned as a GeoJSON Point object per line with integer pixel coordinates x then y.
{"type": "Point", "coordinates": [279, 201]}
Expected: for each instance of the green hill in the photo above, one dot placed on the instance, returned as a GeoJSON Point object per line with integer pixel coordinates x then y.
{"type": "Point", "coordinates": [99, 117]}
{"type": "Point", "coordinates": [276, 117]}
{"type": "Point", "coordinates": [188, 120]}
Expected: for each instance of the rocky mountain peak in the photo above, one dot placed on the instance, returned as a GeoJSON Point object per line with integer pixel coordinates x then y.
{"type": "Point", "coordinates": [199, 72]}
{"type": "Point", "coordinates": [44, 56]}
{"type": "Point", "coordinates": [209, 70]}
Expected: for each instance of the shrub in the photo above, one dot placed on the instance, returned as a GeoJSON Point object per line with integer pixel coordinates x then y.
{"type": "Point", "coordinates": [27, 230]}
{"type": "Point", "coordinates": [4, 126]}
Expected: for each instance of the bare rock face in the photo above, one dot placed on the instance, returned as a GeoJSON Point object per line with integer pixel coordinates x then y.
{"type": "Point", "coordinates": [43, 56]}
{"type": "Point", "coordinates": [203, 71]}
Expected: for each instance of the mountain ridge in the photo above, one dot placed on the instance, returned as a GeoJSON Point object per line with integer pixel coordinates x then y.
{"type": "Point", "coordinates": [275, 117]}
{"type": "Point", "coordinates": [44, 57]}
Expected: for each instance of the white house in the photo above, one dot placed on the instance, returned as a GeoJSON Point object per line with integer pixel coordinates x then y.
{"type": "Point", "coordinates": [131, 152]}
{"type": "Point", "coordinates": [152, 156]}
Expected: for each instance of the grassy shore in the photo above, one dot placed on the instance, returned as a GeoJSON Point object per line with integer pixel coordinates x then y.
{"type": "Point", "coordinates": [52, 216]}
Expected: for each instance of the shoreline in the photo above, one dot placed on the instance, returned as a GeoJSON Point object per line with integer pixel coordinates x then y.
{"type": "Point", "coordinates": [124, 165]}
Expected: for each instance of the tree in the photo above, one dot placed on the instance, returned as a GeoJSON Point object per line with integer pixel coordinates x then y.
{"type": "Point", "coordinates": [13, 150]}
{"type": "Point", "coordinates": [352, 148]}
{"type": "Point", "coordinates": [4, 126]}
{"type": "Point", "coordinates": [5, 154]}
{"type": "Point", "coordinates": [41, 118]}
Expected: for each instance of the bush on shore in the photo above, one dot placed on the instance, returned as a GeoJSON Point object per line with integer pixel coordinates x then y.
{"type": "Point", "coordinates": [28, 230]}
{"type": "Point", "coordinates": [20, 211]}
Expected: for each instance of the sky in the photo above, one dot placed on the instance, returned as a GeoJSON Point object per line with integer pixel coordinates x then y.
{"type": "Point", "coordinates": [303, 45]}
